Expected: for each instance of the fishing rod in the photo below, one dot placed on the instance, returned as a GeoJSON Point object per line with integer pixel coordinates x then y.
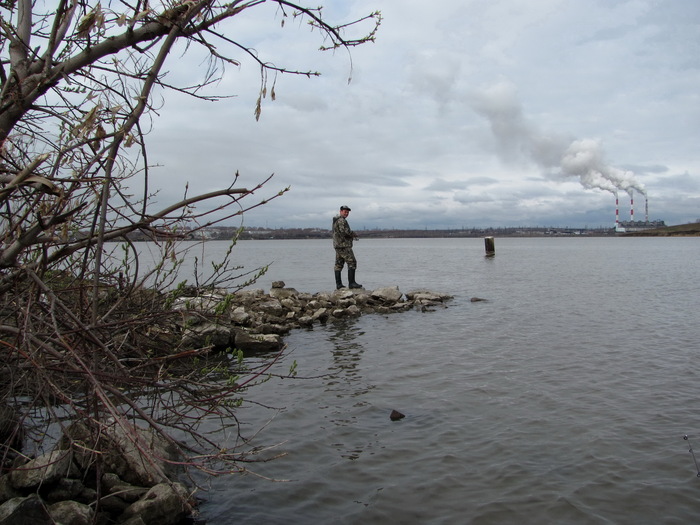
{"type": "Point", "coordinates": [690, 449]}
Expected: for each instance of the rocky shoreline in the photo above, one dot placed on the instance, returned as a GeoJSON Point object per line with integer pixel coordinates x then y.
{"type": "Point", "coordinates": [53, 488]}
{"type": "Point", "coordinates": [254, 321]}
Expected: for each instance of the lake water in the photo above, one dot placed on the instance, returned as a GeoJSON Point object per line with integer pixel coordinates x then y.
{"type": "Point", "coordinates": [562, 398]}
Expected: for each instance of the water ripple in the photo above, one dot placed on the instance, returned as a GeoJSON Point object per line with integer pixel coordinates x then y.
{"type": "Point", "coordinates": [563, 398]}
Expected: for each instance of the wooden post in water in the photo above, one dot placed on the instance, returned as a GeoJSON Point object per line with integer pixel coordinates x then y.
{"type": "Point", "coordinates": [490, 246]}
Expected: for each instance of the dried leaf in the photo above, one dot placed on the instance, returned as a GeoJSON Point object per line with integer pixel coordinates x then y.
{"type": "Point", "coordinates": [42, 183]}
{"type": "Point", "coordinates": [258, 108]}
{"type": "Point", "coordinates": [86, 24]}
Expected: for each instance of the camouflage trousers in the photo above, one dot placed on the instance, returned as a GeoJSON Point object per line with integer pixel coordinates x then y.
{"type": "Point", "coordinates": [342, 256]}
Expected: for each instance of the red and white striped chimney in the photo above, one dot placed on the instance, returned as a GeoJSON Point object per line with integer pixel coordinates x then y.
{"type": "Point", "coordinates": [646, 208]}
{"type": "Point", "coordinates": [617, 211]}
{"type": "Point", "coordinates": [631, 207]}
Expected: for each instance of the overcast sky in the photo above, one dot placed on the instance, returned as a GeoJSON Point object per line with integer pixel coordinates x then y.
{"type": "Point", "coordinates": [463, 113]}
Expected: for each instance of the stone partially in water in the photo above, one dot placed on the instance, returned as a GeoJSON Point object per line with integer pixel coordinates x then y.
{"type": "Point", "coordinates": [396, 415]}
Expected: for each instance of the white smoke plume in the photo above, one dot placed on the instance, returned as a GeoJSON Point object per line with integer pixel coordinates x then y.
{"type": "Point", "coordinates": [516, 139]}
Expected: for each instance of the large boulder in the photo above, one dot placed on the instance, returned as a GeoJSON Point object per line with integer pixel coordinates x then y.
{"type": "Point", "coordinates": [137, 455]}
{"type": "Point", "coordinates": [204, 303]}
{"type": "Point", "coordinates": [253, 343]}
{"type": "Point", "coordinates": [114, 485]}
{"type": "Point", "coordinates": [271, 306]}
{"type": "Point", "coordinates": [388, 294]}
{"type": "Point", "coordinates": [284, 293]}
{"type": "Point", "coordinates": [427, 296]}
{"type": "Point", "coordinates": [164, 504]}
{"type": "Point", "coordinates": [45, 469]}
{"type": "Point", "coordinates": [210, 333]}
{"type": "Point", "coordinates": [25, 511]}
{"type": "Point", "coordinates": [71, 513]}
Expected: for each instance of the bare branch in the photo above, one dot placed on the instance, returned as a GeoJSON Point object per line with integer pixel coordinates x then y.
{"type": "Point", "coordinates": [90, 332]}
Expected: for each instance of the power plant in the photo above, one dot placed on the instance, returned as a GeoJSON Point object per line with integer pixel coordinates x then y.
{"type": "Point", "coordinates": [632, 225]}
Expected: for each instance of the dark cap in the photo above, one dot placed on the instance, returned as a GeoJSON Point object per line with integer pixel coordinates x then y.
{"type": "Point", "coordinates": [345, 208]}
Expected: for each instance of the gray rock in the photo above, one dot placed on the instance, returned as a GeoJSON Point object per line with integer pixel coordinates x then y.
{"type": "Point", "coordinates": [343, 294]}
{"type": "Point", "coordinates": [283, 293]}
{"type": "Point", "coordinates": [71, 513]}
{"type": "Point", "coordinates": [164, 504]}
{"type": "Point", "coordinates": [388, 294]}
{"type": "Point", "coordinates": [206, 303]}
{"type": "Point", "coordinates": [65, 488]}
{"type": "Point", "coordinates": [291, 304]}
{"type": "Point", "coordinates": [346, 303]}
{"type": "Point", "coordinates": [123, 447]}
{"type": "Point", "coordinates": [240, 317]}
{"type": "Point", "coordinates": [325, 297]}
{"type": "Point", "coordinates": [7, 491]}
{"type": "Point", "coordinates": [114, 505]}
{"type": "Point", "coordinates": [305, 321]}
{"type": "Point", "coordinates": [271, 306]}
{"type": "Point", "coordinates": [271, 328]}
{"type": "Point", "coordinates": [115, 486]}
{"type": "Point", "coordinates": [401, 307]}
{"type": "Point", "coordinates": [248, 296]}
{"type": "Point", "coordinates": [314, 304]}
{"type": "Point", "coordinates": [321, 315]}
{"type": "Point", "coordinates": [212, 333]}
{"type": "Point", "coordinates": [25, 511]}
{"type": "Point", "coordinates": [427, 296]}
{"type": "Point", "coordinates": [353, 311]}
{"type": "Point", "coordinates": [257, 342]}
{"type": "Point", "coordinates": [44, 470]}
{"type": "Point", "coordinates": [134, 520]}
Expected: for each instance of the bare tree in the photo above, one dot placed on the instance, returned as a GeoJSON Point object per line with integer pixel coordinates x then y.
{"type": "Point", "coordinates": [76, 318]}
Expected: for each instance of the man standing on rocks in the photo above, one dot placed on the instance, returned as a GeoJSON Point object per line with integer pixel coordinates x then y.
{"type": "Point", "coordinates": [342, 242]}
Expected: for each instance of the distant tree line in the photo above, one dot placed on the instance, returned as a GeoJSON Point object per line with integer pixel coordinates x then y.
{"type": "Point", "coordinates": [221, 233]}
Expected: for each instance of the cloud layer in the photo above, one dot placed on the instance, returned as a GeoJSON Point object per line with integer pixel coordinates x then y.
{"type": "Point", "coordinates": [462, 114]}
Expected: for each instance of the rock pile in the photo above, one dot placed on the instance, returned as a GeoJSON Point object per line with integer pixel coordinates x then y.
{"type": "Point", "coordinates": [59, 487]}
{"type": "Point", "coordinates": [253, 321]}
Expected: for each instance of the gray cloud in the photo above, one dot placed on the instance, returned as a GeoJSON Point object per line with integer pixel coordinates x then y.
{"type": "Point", "coordinates": [467, 114]}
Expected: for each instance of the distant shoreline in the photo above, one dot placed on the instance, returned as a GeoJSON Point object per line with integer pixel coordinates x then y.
{"type": "Point", "coordinates": [225, 233]}
{"type": "Point", "coordinates": [317, 233]}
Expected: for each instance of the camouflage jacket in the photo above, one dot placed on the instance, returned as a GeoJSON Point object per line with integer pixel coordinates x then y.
{"type": "Point", "coordinates": [342, 234]}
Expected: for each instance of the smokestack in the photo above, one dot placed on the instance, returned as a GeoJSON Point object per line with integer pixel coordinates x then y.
{"type": "Point", "coordinates": [617, 211]}
{"type": "Point", "coordinates": [631, 206]}
{"type": "Point", "coordinates": [646, 208]}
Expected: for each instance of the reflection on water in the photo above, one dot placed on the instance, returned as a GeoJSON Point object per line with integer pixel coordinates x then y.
{"type": "Point", "coordinates": [347, 351]}
{"type": "Point", "coordinates": [345, 380]}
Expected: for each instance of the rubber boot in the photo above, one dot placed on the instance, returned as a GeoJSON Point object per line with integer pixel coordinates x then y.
{"type": "Point", "coordinates": [351, 279]}
{"type": "Point", "coordinates": [338, 281]}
